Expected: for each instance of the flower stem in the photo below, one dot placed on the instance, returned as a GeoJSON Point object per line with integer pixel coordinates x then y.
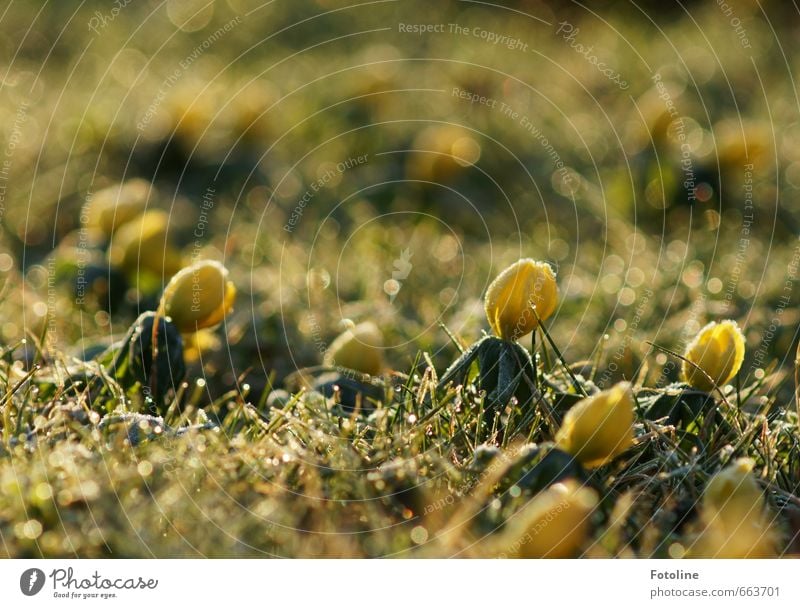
{"type": "Point", "coordinates": [535, 361]}
{"type": "Point", "coordinates": [575, 382]}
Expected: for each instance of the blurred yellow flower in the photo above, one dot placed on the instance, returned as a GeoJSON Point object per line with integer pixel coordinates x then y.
{"type": "Point", "coordinates": [359, 348]}
{"type": "Point", "coordinates": [719, 351]}
{"type": "Point", "coordinates": [195, 345]}
{"type": "Point", "coordinates": [554, 524]}
{"type": "Point", "coordinates": [600, 427]}
{"type": "Point", "coordinates": [733, 493]}
{"type": "Point", "coordinates": [741, 143]}
{"type": "Point", "coordinates": [114, 206]}
{"type": "Point", "coordinates": [247, 110]}
{"type": "Point", "coordinates": [194, 107]}
{"type": "Point", "coordinates": [198, 296]}
{"type": "Point", "coordinates": [142, 244]}
{"type": "Point", "coordinates": [656, 114]}
{"type": "Point", "coordinates": [442, 151]}
{"type": "Point", "coordinates": [513, 294]}
{"type": "Point", "coordinates": [734, 516]}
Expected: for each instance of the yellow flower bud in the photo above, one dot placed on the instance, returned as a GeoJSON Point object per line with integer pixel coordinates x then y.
{"type": "Point", "coordinates": [199, 296]}
{"type": "Point", "coordinates": [554, 524]}
{"type": "Point", "coordinates": [143, 245]}
{"type": "Point", "coordinates": [734, 514]}
{"type": "Point", "coordinates": [600, 427]}
{"type": "Point", "coordinates": [512, 295]}
{"type": "Point", "coordinates": [359, 348]}
{"type": "Point", "coordinates": [719, 351]}
{"type": "Point", "coordinates": [112, 207]}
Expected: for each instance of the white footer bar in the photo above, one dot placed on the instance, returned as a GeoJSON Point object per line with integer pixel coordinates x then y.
{"type": "Point", "coordinates": [407, 583]}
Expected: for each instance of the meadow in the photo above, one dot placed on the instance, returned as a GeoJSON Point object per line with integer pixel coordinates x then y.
{"type": "Point", "coordinates": [399, 279]}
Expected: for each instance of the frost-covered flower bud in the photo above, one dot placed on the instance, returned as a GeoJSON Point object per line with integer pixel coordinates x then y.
{"type": "Point", "coordinates": [719, 351]}
{"type": "Point", "coordinates": [513, 294]}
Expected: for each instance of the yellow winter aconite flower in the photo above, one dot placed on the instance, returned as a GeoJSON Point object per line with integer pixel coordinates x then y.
{"type": "Point", "coordinates": [359, 348]}
{"type": "Point", "coordinates": [598, 428]}
{"type": "Point", "coordinates": [513, 294]}
{"type": "Point", "coordinates": [719, 351]}
{"type": "Point", "coordinates": [142, 244]}
{"type": "Point", "coordinates": [199, 296]}
{"type": "Point", "coordinates": [554, 524]}
{"type": "Point", "coordinates": [114, 206]}
{"type": "Point", "coordinates": [734, 515]}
